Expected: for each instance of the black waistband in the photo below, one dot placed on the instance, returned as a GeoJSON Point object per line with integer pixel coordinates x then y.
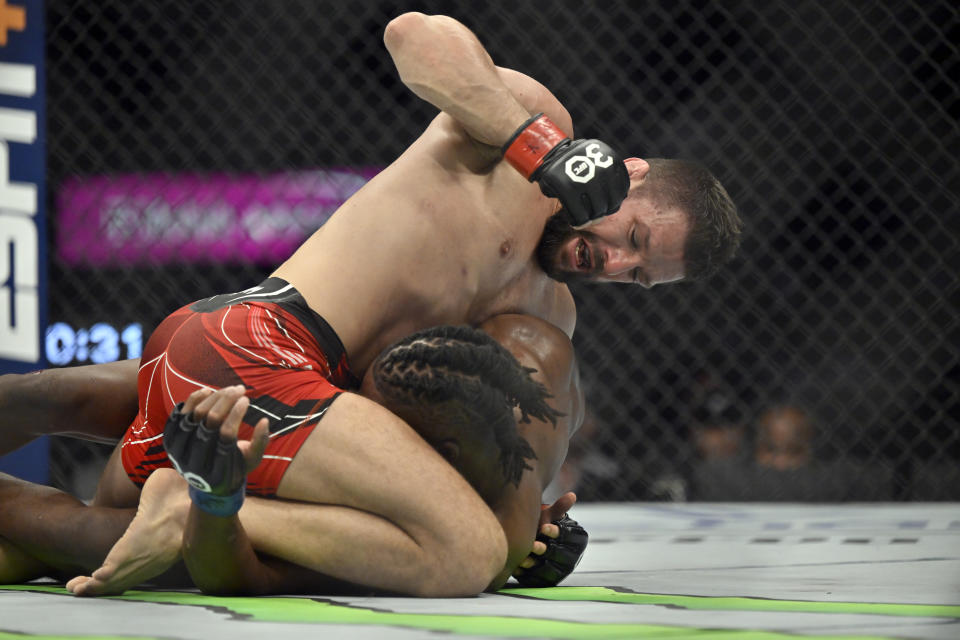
{"type": "Point", "coordinates": [283, 294]}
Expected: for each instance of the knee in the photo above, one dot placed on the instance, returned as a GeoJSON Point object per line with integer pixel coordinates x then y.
{"type": "Point", "coordinates": [466, 565]}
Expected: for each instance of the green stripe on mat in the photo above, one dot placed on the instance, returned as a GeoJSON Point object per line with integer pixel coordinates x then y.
{"type": "Point", "coordinates": [603, 594]}
{"type": "Point", "coordinates": [20, 636]}
{"type": "Point", "coordinates": [305, 610]}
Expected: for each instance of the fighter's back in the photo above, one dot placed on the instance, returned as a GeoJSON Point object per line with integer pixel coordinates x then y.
{"type": "Point", "coordinates": [444, 235]}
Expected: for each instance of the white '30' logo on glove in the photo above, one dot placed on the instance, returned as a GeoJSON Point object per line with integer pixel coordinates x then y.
{"type": "Point", "coordinates": [583, 168]}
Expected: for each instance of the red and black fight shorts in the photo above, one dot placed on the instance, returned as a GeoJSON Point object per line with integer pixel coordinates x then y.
{"type": "Point", "coordinates": [265, 338]}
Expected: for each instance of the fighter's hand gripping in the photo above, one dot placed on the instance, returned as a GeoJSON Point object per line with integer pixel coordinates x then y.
{"type": "Point", "coordinates": [201, 441]}
{"type": "Point", "coordinates": [587, 176]}
{"type": "Point", "coordinates": [558, 549]}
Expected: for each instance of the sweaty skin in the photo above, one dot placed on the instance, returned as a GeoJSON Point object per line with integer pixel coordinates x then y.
{"type": "Point", "coordinates": [46, 522]}
{"type": "Point", "coordinates": [449, 231]}
{"type": "Point", "coordinates": [449, 234]}
{"type": "Point", "coordinates": [220, 552]}
{"type": "Point", "coordinates": [420, 263]}
{"type": "Point", "coordinates": [445, 235]}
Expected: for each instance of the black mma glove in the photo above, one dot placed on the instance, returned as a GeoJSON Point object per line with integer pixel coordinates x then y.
{"type": "Point", "coordinates": [562, 556]}
{"type": "Point", "coordinates": [587, 176]}
{"type": "Point", "coordinates": [214, 469]}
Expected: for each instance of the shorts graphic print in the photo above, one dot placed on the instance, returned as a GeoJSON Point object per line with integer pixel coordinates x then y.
{"type": "Point", "coordinates": [265, 338]}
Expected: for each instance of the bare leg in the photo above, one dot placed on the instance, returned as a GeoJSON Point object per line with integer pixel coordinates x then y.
{"type": "Point", "coordinates": [43, 523]}
{"type": "Point", "coordinates": [414, 525]}
{"type": "Point", "coordinates": [96, 402]}
{"type": "Point", "coordinates": [115, 488]}
{"type": "Point", "coordinates": [392, 515]}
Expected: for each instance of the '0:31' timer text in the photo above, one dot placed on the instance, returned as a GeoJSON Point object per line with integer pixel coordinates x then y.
{"type": "Point", "coordinates": [100, 343]}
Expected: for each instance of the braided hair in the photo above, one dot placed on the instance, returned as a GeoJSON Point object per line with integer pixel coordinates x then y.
{"type": "Point", "coordinates": [460, 377]}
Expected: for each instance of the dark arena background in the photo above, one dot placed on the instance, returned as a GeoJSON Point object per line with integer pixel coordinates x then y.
{"type": "Point", "coordinates": [770, 454]}
{"type": "Point", "coordinates": [192, 144]}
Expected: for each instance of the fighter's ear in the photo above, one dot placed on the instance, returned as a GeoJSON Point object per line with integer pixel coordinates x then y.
{"type": "Point", "coordinates": [449, 448]}
{"type": "Point", "coordinates": [637, 168]}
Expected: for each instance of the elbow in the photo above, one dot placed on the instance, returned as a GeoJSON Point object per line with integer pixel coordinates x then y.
{"type": "Point", "coordinates": [401, 28]}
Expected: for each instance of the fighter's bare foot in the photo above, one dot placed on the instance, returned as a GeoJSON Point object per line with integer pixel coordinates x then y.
{"type": "Point", "coordinates": [151, 544]}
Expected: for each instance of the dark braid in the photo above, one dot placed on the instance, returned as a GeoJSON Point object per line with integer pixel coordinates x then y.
{"type": "Point", "coordinates": [460, 374]}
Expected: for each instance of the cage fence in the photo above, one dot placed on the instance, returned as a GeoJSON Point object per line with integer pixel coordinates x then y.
{"type": "Point", "coordinates": [833, 126]}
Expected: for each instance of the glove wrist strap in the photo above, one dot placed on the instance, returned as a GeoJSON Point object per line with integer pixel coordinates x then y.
{"type": "Point", "coordinates": [221, 506]}
{"type": "Point", "coordinates": [529, 145]}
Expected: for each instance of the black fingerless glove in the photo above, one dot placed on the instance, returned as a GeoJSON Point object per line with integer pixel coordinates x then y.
{"type": "Point", "coordinates": [587, 176]}
{"type": "Point", "coordinates": [562, 556]}
{"type": "Point", "coordinates": [214, 469]}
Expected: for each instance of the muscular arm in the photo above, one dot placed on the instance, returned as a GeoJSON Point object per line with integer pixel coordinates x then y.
{"type": "Point", "coordinates": [444, 63]}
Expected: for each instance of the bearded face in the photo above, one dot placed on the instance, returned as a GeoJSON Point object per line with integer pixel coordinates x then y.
{"type": "Point", "coordinates": [570, 255]}
{"type": "Point", "coordinates": [643, 243]}
{"type": "Point", "coordinates": [556, 242]}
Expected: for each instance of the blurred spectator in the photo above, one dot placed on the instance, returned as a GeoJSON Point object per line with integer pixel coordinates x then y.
{"type": "Point", "coordinates": [789, 469]}
{"type": "Point", "coordinates": [718, 430]}
{"type": "Point", "coordinates": [784, 439]}
{"type": "Point", "coordinates": [719, 466]}
{"type": "Point", "coordinates": [718, 441]}
{"type": "Point", "coordinates": [784, 466]}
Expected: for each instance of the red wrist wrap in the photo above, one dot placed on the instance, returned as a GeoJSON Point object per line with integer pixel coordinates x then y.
{"type": "Point", "coordinates": [531, 143]}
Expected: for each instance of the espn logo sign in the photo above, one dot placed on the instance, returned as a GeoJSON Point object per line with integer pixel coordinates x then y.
{"type": "Point", "coordinates": [21, 179]}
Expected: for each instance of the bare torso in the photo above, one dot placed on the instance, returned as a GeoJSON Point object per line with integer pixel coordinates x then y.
{"type": "Point", "coordinates": [443, 235]}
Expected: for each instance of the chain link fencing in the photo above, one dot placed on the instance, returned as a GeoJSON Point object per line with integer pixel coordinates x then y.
{"type": "Point", "coordinates": [833, 126]}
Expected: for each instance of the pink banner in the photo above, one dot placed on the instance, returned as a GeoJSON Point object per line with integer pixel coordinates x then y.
{"type": "Point", "coordinates": [125, 220]}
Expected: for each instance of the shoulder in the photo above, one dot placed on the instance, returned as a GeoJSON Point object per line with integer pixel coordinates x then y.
{"type": "Point", "coordinates": [537, 344]}
{"type": "Point", "coordinates": [534, 343]}
{"type": "Point", "coordinates": [520, 330]}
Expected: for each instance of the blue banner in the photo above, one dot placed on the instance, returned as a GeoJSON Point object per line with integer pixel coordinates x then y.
{"type": "Point", "coordinates": [23, 246]}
